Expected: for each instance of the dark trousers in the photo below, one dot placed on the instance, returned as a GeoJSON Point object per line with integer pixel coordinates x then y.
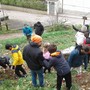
{"type": "Point", "coordinates": [49, 70]}
{"type": "Point", "coordinates": [68, 81]}
{"type": "Point", "coordinates": [18, 71]}
{"type": "Point", "coordinates": [85, 57]}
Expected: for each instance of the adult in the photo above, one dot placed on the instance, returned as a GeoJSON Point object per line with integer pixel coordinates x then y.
{"type": "Point", "coordinates": [33, 56]}
{"type": "Point", "coordinates": [39, 29]}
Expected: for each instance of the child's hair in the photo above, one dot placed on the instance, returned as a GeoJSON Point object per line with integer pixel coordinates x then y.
{"type": "Point", "coordinates": [46, 45]}
{"type": "Point", "coordinates": [52, 48]}
{"type": "Point", "coordinates": [7, 46]}
{"type": "Point", "coordinates": [86, 48]}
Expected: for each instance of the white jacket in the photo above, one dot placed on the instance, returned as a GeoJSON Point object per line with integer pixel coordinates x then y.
{"type": "Point", "coordinates": [80, 38]}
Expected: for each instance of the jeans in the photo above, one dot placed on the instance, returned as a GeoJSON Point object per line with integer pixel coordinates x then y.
{"type": "Point", "coordinates": [38, 73]}
{"type": "Point", "coordinates": [85, 61]}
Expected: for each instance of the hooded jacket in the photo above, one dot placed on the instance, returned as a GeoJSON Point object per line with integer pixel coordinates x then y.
{"type": "Point", "coordinates": [59, 63]}
{"type": "Point", "coordinates": [76, 57]}
{"type": "Point", "coordinates": [27, 30]}
{"type": "Point", "coordinates": [39, 29]}
{"type": "Point", "coordinates": [33, 56]}
{"type": "Point", "coordinates": [17, 56]}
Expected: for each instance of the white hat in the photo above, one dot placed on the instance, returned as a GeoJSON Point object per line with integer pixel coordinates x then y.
{"type": "Point", "coordinates": [83, 28]}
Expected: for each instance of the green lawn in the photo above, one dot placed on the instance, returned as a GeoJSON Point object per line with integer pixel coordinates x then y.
{"type": "Point", "coordinates": [62, 38]}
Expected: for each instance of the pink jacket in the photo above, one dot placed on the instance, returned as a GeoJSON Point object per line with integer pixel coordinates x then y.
{"type": "Point", "coordinates": [46, 55]}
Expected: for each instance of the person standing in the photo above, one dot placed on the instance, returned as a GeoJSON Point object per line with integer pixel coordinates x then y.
{"type": "Point", "coordinates": [18, 59]}
{"type": "Point", "coordinates": [33, 56]}
{"type": "Point", "coordinates": [27, 30]}
{"type": "Point", "coordinates": [39, 29]}
{"type": "Point", "coordinates": [61, 66]}
{"type": "Point", "coordinates": [46, 55]}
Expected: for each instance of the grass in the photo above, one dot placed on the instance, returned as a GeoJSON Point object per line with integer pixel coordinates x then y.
{"type": "Point", "coordinates": [62, 38]}
{"type": "Point", "coordinates": [5, 31]}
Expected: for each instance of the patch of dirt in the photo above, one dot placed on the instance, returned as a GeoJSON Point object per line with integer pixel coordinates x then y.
{"type": "Point", "coordinates": [10, 36]}
{"type": "Point", "coordinates": [83, 81]}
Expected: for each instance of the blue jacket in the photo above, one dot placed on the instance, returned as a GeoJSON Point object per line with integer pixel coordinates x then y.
{"type": "Point", "coordinates": [75, 59]}
{"type": "Point", "coordinates": [27, 30]}
{"type": "Point", "coordinates": [59, 63]}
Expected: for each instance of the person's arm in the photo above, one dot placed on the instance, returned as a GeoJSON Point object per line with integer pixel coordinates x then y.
{"type": "Point", "coordinates": [75, 28]}
{"type": "Point", "coordinates": [44, 62]}
{"type": "Point", "coordinates": [15, 58]}
{"type": "Point", "coordinates": [24, 31]}
{"type": "Point", "coordinates": [35, 26]}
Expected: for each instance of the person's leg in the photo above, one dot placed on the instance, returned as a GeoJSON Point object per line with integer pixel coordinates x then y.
{"type": "Point", "coordinates": [88, 57]}
{"type": "Point", "coordinates": [28, 37]}
{"type": "Point", "coordinates": [79, 70]}
{"type": "Point", "coordinates": [85, 61]}
{"type": "Point", "coordinates": [34, 77]}
{"type": "Point", "coordinates": [49, 70]}
{"type": "Point", "coordinates": [17, 69]}
{"type": "Point", "coordinates": [22, 70]}
{"type": "Point", "coordinates": [59, 82]}
{"type": "Point", "coordinates": [68, 80]}
{"type": "Point", "coordinates": [41, 78]}
{"type": "Point", "coordinates": [45, 69]}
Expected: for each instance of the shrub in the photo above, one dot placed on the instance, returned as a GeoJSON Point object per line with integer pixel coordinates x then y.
{"type": "Point", "coordinates": [34, 4]}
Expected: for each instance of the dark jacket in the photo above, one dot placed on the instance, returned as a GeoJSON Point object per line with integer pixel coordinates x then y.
{"type": "Point", "coordinates": [33, 56]}
{"type": "Point", "coordinates": [59, 63]}
{"type": "Point", "coordinates": [39, 29]}
{"type": "Point", "coordinates": [76, 58]}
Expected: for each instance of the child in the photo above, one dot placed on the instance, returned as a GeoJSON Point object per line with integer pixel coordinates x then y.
{"type": "Point", "coordinates": [61, 66]}
{"type": "Point", "coordinates": [4, 61]}
{"type": "Point", "coordinates": [76, 58]}
{"type": "Point", "coordinates": [18, 60]}
{"type": "Point", "coordinates": [27, 30]}
{"type": "Point", "coordinates": [46, 55]}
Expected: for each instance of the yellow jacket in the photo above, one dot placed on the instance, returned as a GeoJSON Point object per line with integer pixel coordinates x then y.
{"type": "Point", "coordinates": [17, 56]}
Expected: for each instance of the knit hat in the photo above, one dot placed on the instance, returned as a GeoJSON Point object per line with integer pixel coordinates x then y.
{"type": "Point", "coordinates": [83, 28]}
{"type": "Point", "coordinates": [36, 38]}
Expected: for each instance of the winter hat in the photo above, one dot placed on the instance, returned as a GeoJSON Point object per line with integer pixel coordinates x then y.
{"type": "Point", "coordinates": [83, 28]}
{"type": "Point", "coordinates": [36, 38]}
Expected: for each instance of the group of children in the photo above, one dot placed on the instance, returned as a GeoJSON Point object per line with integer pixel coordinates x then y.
{"type": "Point", "coordinates": [80, 55]}
{"type": "Point", "coordinates": [51, 57]}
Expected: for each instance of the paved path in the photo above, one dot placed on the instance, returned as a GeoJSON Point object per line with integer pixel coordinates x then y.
{"type": "Point", "coordinates": [19, 16]}
{"type": "Point", "coordinates": [9, 36]}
